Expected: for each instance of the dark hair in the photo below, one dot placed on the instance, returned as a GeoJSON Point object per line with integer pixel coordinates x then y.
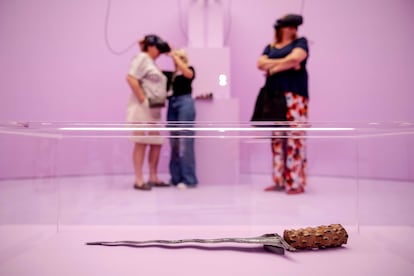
{"type": "Point", "coordinates": [154, 40]}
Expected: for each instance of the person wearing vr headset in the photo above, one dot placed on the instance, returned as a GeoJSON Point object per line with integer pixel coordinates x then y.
{"type": "Point", "coordinates": [148, 85]}
{"type": "Point", "coordinates": [284, 97]}
{"type": "Point", "coordinates": [182, 113]}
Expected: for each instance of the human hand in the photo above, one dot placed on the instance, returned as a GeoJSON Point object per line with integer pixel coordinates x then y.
{"type": "Point", "coordinates": [142, 99]}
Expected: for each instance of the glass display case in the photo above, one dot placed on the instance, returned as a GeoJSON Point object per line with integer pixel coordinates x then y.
{"type": "Point", "coordinates": [65, 184]}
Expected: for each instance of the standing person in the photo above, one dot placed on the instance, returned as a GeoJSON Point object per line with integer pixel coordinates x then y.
{"type": "Point", "coordinates": [181, 113]}
{"type": "Point", "coordinates": [285, 98]}
{"type": "Point", "coordinates": [148, 85]}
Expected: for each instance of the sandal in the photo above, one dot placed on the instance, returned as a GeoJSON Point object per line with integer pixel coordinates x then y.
{"type": "Point", "coordinates": [143, 186]}
{"type": "Point", "coordinates": [158, 184]}
{"type": "Point", "coordinates": [296, 191]}
{"type": "Point", "coordinates": [274, 188]}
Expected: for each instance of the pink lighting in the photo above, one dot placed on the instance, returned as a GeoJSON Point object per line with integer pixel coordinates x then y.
{"type": "Point", "coordinates": [66, 170]}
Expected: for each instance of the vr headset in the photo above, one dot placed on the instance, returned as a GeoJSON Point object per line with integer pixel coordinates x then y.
{"type": "Point", "coordinates": [154, 40]}
{"type": "Point", "coordinates": [290, 20]}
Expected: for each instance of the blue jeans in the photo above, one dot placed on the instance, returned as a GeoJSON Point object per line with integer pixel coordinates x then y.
{"type": "Point", "coordinates": [181, 113]}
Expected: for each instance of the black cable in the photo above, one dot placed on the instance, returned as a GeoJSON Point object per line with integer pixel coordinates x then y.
{"type": "Point", "coordinates": [229, 20]}
{"type": "Point", "coordinates": [302, 7]}
{"type": "Point", "coordinates": [180, 19]}
{"type": "Point", "coordinates": [107, 43]}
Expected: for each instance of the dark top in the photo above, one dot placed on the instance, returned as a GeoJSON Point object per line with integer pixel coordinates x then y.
{"type": "Point", "coordinates": [291, 80]}
{"type": "Point", "coordinates": [182, 85]}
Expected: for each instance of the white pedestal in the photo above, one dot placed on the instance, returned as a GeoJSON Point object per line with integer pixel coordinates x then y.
{"type": "Point", "coordinates": [217, 159]}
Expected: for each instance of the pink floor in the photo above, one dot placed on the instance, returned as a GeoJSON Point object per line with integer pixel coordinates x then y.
{"type": "Point", "coordinates": [44, 224]}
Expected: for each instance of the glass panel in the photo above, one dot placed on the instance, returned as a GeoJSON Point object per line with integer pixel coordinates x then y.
{"type": "Point", "coordinates": [78, 178]}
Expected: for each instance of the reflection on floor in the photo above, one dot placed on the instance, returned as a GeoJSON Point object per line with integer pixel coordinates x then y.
{"type": "Point", "coordinates": [45, 223]}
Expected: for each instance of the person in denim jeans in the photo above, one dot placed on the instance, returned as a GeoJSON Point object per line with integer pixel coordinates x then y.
{"type": "Point", "coordinates": [181, 113]}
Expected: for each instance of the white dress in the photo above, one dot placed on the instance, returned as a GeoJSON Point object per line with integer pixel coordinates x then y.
{"type": "Point", "coordinates": [153, 83]}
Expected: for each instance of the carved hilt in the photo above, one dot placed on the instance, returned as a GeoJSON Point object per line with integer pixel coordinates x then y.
{"type": "Point", "coordinates": [333, 235]}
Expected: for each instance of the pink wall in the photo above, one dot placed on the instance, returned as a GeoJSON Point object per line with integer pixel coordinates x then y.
{"type": "Point", "coordinates": [55, 65]}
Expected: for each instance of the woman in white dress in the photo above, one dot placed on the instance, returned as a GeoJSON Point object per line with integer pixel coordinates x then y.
{"type": "Point", "coordinates": [148, 85]}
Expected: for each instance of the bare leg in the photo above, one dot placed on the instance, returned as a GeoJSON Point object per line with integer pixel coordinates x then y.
{"type": "Point", "coordinates": [153, 158]}
{"type": "Point", "coordinates": [138, 161]}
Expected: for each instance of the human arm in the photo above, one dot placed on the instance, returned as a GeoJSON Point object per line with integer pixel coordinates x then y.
{"type": "Point", "coordinates": [271, 60]}
{"type": "Point", "coordinates": [265, 63]}
{"type": "Point", "coordinates": [137, 70]}
{"type": "Point", "coordinates": [136, 88]}
{"type": "Point", "coordinates": [291, 61]}
{"type": "Point", "coordinates": [182, 66]}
